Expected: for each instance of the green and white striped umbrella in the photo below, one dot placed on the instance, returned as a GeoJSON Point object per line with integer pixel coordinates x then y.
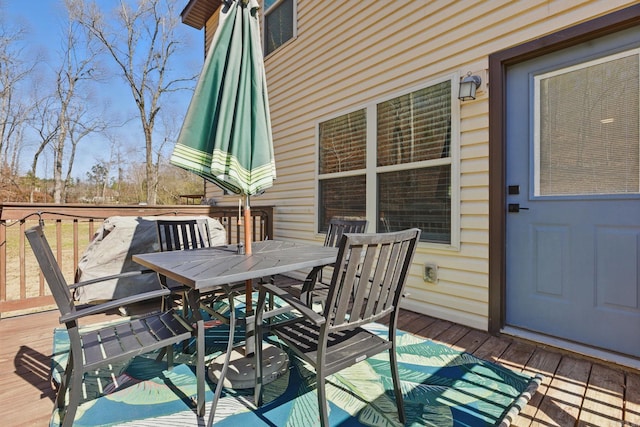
{"type": "Point", "coordinates": [226, 136]}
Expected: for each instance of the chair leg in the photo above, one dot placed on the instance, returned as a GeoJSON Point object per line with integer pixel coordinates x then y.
{"type": "Point", "coordinates": [75, 391]}
{"type": "Point", "coordinates": [169, 357]}
{"type": "Point", "coordinates": [168, 351]}
{"type": "Point", "coordinates": [397, 388]}
{"type": "Point", "coordinates": [323, 405]}
{"type": "Point", "coordinates": [161, 354]}
{"type": "Point", "coordinates": [257, 392]}
{"type": "Point", "coordinates": [225, 366]}
{"type": "Point", "coordinates": [64, 384]}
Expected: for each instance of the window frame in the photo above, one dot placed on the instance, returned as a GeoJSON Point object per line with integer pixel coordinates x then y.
{"type": "Point", "coordinates": [271, 9]}
{"type": "Point", "coordinates": [371, 170]}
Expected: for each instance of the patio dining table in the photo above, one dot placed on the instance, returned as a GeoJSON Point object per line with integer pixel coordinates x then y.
{"type": "Point", "coordinates": [209, 269]}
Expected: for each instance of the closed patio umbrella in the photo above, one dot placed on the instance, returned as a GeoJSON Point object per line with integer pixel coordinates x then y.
{"type": "Point", "coordinates": [226, 135]}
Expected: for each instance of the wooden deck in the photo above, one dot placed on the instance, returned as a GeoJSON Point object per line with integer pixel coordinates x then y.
{"type": "Point", "coordinates": [576, 391]}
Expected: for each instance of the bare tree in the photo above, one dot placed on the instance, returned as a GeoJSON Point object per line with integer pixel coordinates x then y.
{"type": "Point", "coordinates": [99, 179]}
{"type": "Point", "coordinates": [176, 182]}
{"type": "Point", "coordinates": [171, 128]}
{"type": "Point", "coordinates": [134, 189]}
{"type": "Point", "coordinates": [142, 43]}
{"type": "Point", "coordinates": [74, 121]}
{"type": "Point", "coordinates": [46, 126]}
{"type": "Point", "coordinates": [14, 109]}
{"type": "Point", "coordinates": [64, 117]}
{"type": "Point", "coordinates": [79, 126]}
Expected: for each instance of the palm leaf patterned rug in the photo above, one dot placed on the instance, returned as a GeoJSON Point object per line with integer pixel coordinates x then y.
{"type": "Point", "coordinates": [441, 386]}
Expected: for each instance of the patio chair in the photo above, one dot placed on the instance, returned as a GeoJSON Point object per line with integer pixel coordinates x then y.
{"type": "Point", "coordinates": [176, 235]}
{"type": "Point", "coordinates": [181, 234]}
{"type": "Point", "coordinates": [192, 234]}
{"type": "Point", "coordinates": [366, 286]}
{"type": "Point", "coordinates": [110, 343]}
{"type": "Point", "coordinates": [314, 289]}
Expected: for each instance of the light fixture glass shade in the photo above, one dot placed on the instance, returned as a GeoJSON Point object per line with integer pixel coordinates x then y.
{"type": "Point", "coordinates": [468, 87]}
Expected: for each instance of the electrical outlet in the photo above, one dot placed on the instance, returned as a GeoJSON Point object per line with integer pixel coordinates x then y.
{"type": "Point", "coordinates": [430, 273]}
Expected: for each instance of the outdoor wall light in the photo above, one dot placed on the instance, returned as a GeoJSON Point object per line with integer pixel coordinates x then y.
{"type": "Point", "coordinates": [468, 86]}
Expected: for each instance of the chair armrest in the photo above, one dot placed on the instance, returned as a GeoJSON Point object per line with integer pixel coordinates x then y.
{"type": "Point", "coordinates": [295, 303]}
{"type": "Point", "coordinates": [111, 277]}
{"type": "Point", "coordinates": [113, 304]}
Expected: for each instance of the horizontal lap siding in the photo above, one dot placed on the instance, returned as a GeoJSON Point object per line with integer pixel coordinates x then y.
{"type": "Point", "coordinates": [348, 54]}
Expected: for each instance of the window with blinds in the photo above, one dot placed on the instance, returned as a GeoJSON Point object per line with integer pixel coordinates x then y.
{"type": "Point", "coordinates": [279, 23]}
{"type": "Point", "coordinates": [342, 166]}
{"type": "Point", "coordinates": [415, 127]}
{"type": "Point", "coordinates": [412, 165]}
{"type": "Point", "coordinates": [343, 143]}
{"type": "Point", "coordinates": [414, 136]}
{"type": "Point", "coordinates": [587, 131]}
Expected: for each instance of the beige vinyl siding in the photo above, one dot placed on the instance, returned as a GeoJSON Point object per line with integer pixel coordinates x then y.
{"type": "Point", "coordinates": [350, 54]}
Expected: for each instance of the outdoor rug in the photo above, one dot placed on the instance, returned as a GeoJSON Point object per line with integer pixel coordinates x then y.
{"type": "Point", "coordinates": [441, 386]}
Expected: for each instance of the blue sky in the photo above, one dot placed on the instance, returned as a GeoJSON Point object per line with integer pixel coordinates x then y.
{"type": "Point", "coordinates": [43, 21]}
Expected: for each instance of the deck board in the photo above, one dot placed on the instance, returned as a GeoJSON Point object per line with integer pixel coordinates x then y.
{"type": "Point", "coordinates": [26, 396]}
{"type": "Point", "coordinates": [574, 390]}
{"type": "Point", "coordinates": [434, 329]}
{"type": "Point", "coordinates": [565, 394]}
{"type": "Point", "coordinates": [545, 364]}
{"type": "Point", "coordinates": [632, 399]}
{"type": "Point", "coordinates": [517, 355]}
{"type": "Point", "coordinates": [492, 348]}
{"type": "Point", "coordinates": [603, 399]}
{"type": "Point", "coordinates": [471, 341]}
{"type": "Point", "coordinates": [452, 335]}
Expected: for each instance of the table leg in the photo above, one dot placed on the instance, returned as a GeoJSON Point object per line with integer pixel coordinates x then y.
{"type": "Point", "coordinates": [250, 335]}
{"type": "Point", "coordinates": [257, 323]}
{"type": "Point", "coordinates": [225, 366]}
{"type": "Point", "coordinates": [193, 297]}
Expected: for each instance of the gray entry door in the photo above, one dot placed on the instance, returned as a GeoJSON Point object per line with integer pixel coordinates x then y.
{"type": "Point", "coordinates": [573, 202]}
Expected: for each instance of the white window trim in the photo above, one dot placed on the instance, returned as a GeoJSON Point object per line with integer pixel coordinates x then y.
{"type": "Point", "coordinates": [371, 170]}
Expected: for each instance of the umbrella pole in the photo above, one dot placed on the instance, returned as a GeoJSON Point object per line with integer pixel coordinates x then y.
{"type": "Point", "coordinates": [248, 225]}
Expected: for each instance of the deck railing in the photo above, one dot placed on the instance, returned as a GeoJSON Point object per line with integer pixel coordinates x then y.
{"type": "Point", "coordinates": [70, 228]}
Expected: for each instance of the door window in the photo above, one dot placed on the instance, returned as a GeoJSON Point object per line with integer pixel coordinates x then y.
{"type": "Point", "coordinates": [586, 128]}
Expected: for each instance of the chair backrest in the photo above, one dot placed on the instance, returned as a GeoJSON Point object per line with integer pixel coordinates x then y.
{"type": "Point", "coordinates": [176, 235]}
{"type": "Point", "coordinates": [337, 227]}
{"type": "Point", "coordinates": [50, 269]}
{"type": "Point", "coordinates": [369, 283]}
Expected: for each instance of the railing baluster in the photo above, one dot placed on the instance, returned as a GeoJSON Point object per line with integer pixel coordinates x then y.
{"type": "Point", "coordinates": [76, 252]}
{"type": "Point", "coordinates": [91, 230]}
{"type": "Point", "coordinates": [59, 243]}
{"type": "Point", "coordinates": [3, 260]}
{"type": "Point", "coordinates": [21, 255]}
